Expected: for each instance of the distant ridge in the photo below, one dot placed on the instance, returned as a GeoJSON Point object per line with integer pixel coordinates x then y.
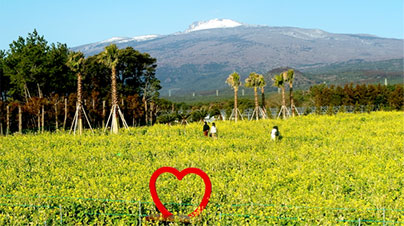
{"type": "Point", "coordinates": [201, 57]}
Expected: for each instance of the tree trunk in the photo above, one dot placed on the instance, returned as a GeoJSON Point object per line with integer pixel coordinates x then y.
{"type": "Point", "coordinates": [145, 110]}
{"type": "Point", "coordinates": [256, 102]}
{"type": "Point", "coordinates": [19, 119]}
{"type": "Point", "coordinates": [8, 120]}
{"type": "Point", "coordinates": [43, 118]}
{"type": "Point", "coordinates": [151, 112]}
{"type": "Point", "coordinates": [114, 102]}
{"type": "Point", "coordinates": [79, 119]}
{"type": "Point", "coordinates": [39, 119]}
{"type": "Point", "coordinates": [235, 105]}
{"type": "Point", "coordinates": [65, 119]}
{"type": "Point", "coordinates": [95, 118]}
{"type": "Point", "coordinates": [263, 99]}
{"type": "Point", "coordinates": [283, 95]}
{"type": "Point", "coordinates": [283, 102]}
{"type": "Point", "coordinates": [103, 113]}
{"type": "Point", "coordinates": [292, 105]}
{"type": "Point", "coordinates": [56, 117]}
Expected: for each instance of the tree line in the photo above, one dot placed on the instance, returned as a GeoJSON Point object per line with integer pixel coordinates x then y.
{"type": "Point", "coordinates": [41, 80]}
{"type": "Point", "coordinates": [390, 97]}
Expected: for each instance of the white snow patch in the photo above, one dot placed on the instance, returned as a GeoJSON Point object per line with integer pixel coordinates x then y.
{"type": "Point", "coordinates": [144, 37]}
{"type": "Point", "coordinates": [306, 34]}
{"type": "Point", "coordinates": [211, 24]}
{"type": "Point", "coordinates": [122, 39]}
{"type": "Point", "coordinates": [113, 39]}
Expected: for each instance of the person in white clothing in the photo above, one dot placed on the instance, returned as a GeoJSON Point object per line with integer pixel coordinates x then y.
{"type": "Point", "coordinates": [275, 133]}
{"type": "Point", "coordinates": [213, 131]}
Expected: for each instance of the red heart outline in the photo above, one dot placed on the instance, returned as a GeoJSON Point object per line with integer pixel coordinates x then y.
{"type": "Point", "coordinates": [180, 175]}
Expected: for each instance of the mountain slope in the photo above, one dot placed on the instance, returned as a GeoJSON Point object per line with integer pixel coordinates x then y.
{"type": "Point", "coordinates": [202, 57]}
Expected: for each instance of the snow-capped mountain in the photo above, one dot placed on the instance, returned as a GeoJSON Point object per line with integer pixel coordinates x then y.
{"type": "Point", "coordinates": [196, 26]}
{"type": "Point", "coordinates": [211, 24]}
{"type": "Point", "coordinates": [208, 51]}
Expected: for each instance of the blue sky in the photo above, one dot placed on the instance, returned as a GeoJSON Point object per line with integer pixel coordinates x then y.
{"type": "Point", "coordinates": [77, 22]}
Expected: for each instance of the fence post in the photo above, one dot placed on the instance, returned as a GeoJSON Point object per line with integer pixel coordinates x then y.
{"type": "Point", "coordinates": [384, 216]}
{"type": "Point", "coordinates": [60, 212]}
{"type": "Point", "coordinates": [140, 213]}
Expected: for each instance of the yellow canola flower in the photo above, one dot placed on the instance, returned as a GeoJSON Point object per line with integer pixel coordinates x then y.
{"type": "Point", "coordinates": [324, 170]}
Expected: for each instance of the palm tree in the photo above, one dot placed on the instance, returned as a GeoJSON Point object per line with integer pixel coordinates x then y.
{"type": "Point", "coordinates": [262, 84]}
{"type": "Point", "coordinates": [110, 58]}
{"type": "Point", "coordinates": [279, 81]}
{"type": "Point", "coordinates": [255, 81]}
{"type": "Point", "coordinates": [234, 81]}
{"type": "Point", "coordinates": [289, 79]}
{"type": "Point", "coordinates": [75, 63]}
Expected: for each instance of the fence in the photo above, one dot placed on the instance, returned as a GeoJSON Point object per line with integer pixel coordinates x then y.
{"type": "Point", "coordinates": [97, 119]}
{"type": "Point", "coordinates": [221, 213]}
{"type": "Point", "coordinates": [321, 110]}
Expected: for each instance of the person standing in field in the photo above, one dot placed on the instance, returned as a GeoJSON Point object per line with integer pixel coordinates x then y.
{"type": "Point", "coordinates": [213, 131]}
{"type": "Point", "coordinates": [275, 133]}
{"type": "Point", "coordinates": [206, 129]}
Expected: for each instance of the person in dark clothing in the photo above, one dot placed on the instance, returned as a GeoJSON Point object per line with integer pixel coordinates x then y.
{"type": "Point", "coordinates": [206, 129]}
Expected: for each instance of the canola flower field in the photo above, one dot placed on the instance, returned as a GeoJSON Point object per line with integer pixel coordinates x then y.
{"type": "Point", "coordinates": [326, 170]}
